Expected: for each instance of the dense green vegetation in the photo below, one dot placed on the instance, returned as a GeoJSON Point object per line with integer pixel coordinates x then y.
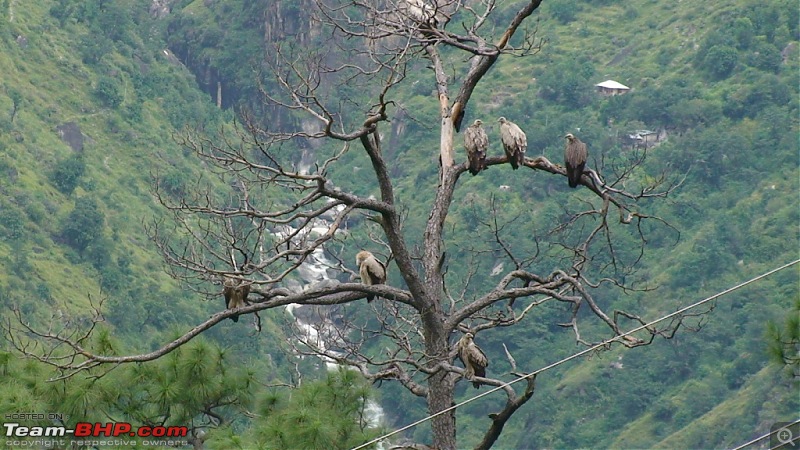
{"type": "Point", "coordinates": [88, 109]}
{"type": "Point", "coordinates": [721, 78]}
{"type": "Point", "coordinates": [330, 413]}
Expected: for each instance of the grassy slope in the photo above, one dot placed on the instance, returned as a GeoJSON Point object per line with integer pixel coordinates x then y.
{"type": "Point", "coordinates": [753, 409]}
{"type": "Point", "coordinates": [50, 81]}
{"type": "Point", "coordinates": [55, 86]}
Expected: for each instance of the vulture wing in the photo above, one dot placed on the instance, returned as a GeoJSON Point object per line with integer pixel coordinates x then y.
{"type": "Point", "coordinates": [376, 271]}
{"type": "Point", "coordinates": [478, 359]}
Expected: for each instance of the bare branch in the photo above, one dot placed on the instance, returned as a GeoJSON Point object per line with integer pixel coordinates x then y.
{"type": "Point", "coordinates": [499, 419]}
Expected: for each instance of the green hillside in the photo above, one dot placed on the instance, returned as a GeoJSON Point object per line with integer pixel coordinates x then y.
{"type": "Point", "coordinates": [93, 94]}
{"type": "Point", "coordinates": [90, 102]}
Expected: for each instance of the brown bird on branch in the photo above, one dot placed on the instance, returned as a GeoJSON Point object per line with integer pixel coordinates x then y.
{"type": "Point", "coordinates": [473, 358]}
{"type": "Point", "coordinates": [235, 292]}
{"type": "Point", "coordinates": [371, 270]}
{"type": "Point", "coordinates": [575, 155]}
{"type": "Point", "coordinates": [514, 142]}
{"type": "Point", "coordinates": [476, 142]}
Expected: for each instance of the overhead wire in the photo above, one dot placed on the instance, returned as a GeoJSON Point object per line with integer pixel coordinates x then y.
{"type": "Point", "coordinates": [780, 442]}
{"type": "Point", "coordinates": [579, 354]}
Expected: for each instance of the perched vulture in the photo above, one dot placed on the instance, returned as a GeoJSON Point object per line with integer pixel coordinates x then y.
{"type": "Point", "coordinates": [472, 357]}
{"type": "Point", "coordinates": [371, 270]}
{"type": "Point", "coordinates": [476, 142]}
{"type": "Point", "coordinates": [235, 292]}
{"type": "Point", "coordinates": [575, 159]}
{"type": "Point", "coordinates": [514, 142]}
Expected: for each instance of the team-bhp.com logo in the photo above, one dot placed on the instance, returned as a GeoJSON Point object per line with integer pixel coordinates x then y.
{"type": "Point", "coordinates": [97, 429]}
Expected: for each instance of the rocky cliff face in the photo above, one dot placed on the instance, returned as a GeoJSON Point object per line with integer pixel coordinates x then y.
{"type": "Point", "coordinates": [161, 8]}
{"type": "Point", "coordinates": [289, 19]}
{"type": "Point", "coordinates": [213, 38]}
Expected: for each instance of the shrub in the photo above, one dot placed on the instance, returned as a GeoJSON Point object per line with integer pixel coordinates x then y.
{"type": "Point", "coordinates": [743, 30]}
{"type": "Point", "coordinates": [12, 223]}
{"type": "Point", "coordinates": [720, 61]}
{"type": "Point", "coordinates": [84, 225]}
{"type": "Point", "coordinates": [67, 173]}
{"type": "Point", "coordinates": [108, 91]}
{"type": "Point", "coordinates": [764, 56]}
{"type": "Point", "coordinates": [564, 11]}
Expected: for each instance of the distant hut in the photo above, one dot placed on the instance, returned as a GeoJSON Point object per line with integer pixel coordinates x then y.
{"type": "Point", "coordinates": [611, 87]}
{"type": "Point", "coordinates": [644, 138]}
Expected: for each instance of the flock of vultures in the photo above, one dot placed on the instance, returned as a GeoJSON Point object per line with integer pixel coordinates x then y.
{"type": "Point", "coordinates": [476, 142]}
{"type": "Point", "coordinates": [372, 271]}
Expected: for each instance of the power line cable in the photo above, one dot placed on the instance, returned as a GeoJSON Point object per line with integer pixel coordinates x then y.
{"type": "Point", "coordinates": [579, 354]}
{"type": "Point", "coordinates": [782, 442]}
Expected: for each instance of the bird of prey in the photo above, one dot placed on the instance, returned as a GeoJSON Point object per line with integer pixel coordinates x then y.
{"type": "Point", "coordinates": [473, 358]}
{"type": "Point", "coordinates": [371, 270]}
{"type": "Point", "coordinates": [235, 292]}
{"type": "Point", "coordinates": [476, 142]}
{"type": "Point", "coordinates": [514, 142]}
{"type": "Point", "coordinates": [575, 154]}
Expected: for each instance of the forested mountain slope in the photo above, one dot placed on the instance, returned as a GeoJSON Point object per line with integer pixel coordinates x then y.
{"type": "Point", "coordinates": [91, 100]}
{"type": "Point", "coordinates": [93, 92]}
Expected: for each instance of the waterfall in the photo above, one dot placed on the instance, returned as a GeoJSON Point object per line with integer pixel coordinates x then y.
{"type": "Point", "coordinates": [314, 271]}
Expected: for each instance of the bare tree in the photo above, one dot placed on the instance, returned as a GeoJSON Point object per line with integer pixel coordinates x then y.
{"type": "Point", "coordinates": [281, 210]}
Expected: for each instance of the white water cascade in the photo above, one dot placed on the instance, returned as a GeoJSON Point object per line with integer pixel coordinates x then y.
{"type": "Point", "coordinates": [314, 271]}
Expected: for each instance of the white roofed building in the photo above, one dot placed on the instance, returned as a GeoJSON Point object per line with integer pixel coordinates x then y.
{"type": "Point", "coordinates": [611, 87]}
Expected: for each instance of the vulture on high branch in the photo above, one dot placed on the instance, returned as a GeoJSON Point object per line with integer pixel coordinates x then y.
{"type": "Point", "coordinates": [476, 142]}
{"type": "Point", "coordinates": [235, 292]}
{"type": "Point", "coordinates": [371, 270]}
{"type": "Point", "coordinates": [575, 154]}
{"type": "Point", "coordinates": [514, 142]}
{"type": "Point", "coordinates": [473, 358]}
